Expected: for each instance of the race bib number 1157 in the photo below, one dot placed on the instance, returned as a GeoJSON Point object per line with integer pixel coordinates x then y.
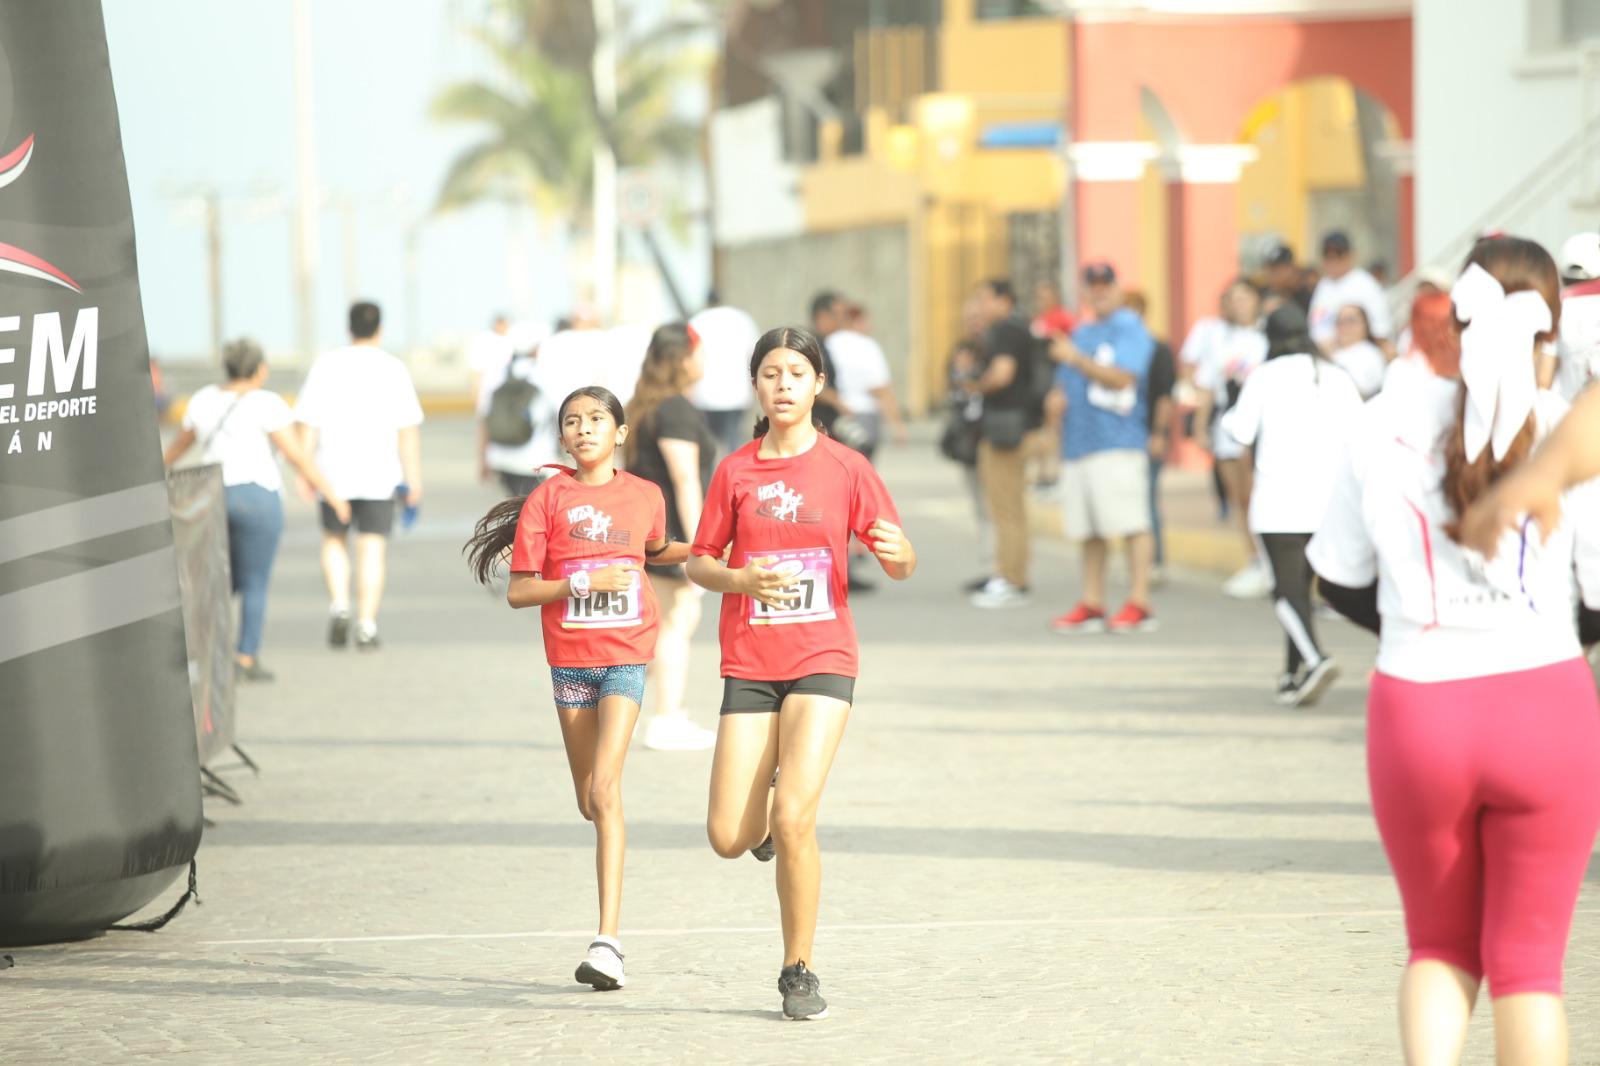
{"type": "Point", "coordinates": [811, 573]}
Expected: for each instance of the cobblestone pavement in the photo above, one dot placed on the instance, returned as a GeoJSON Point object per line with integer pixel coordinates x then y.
{"type": "Point", "coordinates": [1037, 849]}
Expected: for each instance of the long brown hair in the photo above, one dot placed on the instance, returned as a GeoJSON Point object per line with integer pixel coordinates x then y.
{"type": "Point", "coordinates": [663, 375]}
{"type": "Point", "coordinates": [1519, 266]}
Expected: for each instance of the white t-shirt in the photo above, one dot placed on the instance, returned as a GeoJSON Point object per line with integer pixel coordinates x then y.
{"type": "Point", "coordinates": [358, 398]}
{"type": "Point", "coordinates": [1448, 615]}
{"type": "Point", "coordinates": [1220, 352]}
{"type": "Point", "coordinates": [1365, 364]}
{"type": "Point", "coordinates": [545, 444]}
{"type": "Point", "coordinates": [1580, 339]}
{"type": "Point", "coordinates": [234, 428]}
{"type": "Point", "coordinates": [1297, 412]}
{"type": "Point", "coordinates": [859, 362]}
{"type": "Point", "coordinates": [1355, 287]}
{"type": "Point", "coordinates": [727, 341]}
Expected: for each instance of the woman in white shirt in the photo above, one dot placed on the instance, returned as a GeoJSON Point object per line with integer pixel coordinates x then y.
{"type": "Point", "coordinates": [238, 424]}
{"type": "Point", "coordinates": [1217, 356]}
{"type": "Point", "coordinates": [1354, 350]}
{"type": "Point", "coordinates": [1295, 412]}
{"type": "Point", "coordinates": [1483, 727]}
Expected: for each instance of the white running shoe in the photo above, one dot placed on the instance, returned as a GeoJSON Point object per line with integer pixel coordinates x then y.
{"type": "Point", "coordinates": [675, 732]}
{"type": "Point", "coordinates": [1000, 593]}
{"type": "Point", "coordinates": [1251, 583]}
{"type": "Point", "coordinates": [602, 967]}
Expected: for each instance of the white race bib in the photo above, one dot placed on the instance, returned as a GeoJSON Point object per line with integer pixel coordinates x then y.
{"type": "Point", "coordinates": [811, 573]}
{"type": "Point", "coordinates": [602, 610]}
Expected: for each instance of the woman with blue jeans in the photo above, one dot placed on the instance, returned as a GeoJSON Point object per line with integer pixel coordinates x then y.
{"type": "Point", "coordinates": [238, 424]}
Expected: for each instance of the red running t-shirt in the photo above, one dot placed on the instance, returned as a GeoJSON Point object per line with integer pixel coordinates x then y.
{"type": "Point", "coordinates": [566, 526]}
{"type": "Point", "coordinates": [801, 510]}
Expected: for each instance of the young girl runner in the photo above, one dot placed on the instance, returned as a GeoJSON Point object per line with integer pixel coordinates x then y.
{"type": "Point", "coordinates": [786, 505]}
{"type": "Point", "coordinates": [1483, 728]}
{"type": "Point", "coordinates": [578, 543]}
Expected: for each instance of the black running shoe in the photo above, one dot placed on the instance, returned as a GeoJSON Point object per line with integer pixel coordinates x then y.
{"type": "Point", "coordinates": [338, 630]}
{"type": "Point", "coordinates": [765, 850]}
{"type": "Point", "coordinates": [802, 998]}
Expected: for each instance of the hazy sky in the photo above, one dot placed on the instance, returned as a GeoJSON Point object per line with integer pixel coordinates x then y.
{"type": "Point", "coordinates": [205, 92]}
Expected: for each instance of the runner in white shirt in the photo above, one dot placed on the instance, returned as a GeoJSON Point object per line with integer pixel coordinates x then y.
{"type": "Point", "coordinates": [1295, 413]}
{"type": "Point", "coordinates": [1483, 727]}
{"type": "Point", "coordinates": [1218, 355]}
{"type": "Point", "coordinates": [1345, 283]}
{"type": "Point", "coordinates": [238, 425]}
{"type": "Point", "coordinates": [359, 415]}
{"type": "Point", "coordinates": [865, 384]}
{"type": "Point", "coordinates": [727, 337]}
{"type": "Point", "coordinates": [518, 466]}
{"type": "Point", "coordinates": [1354, 350]}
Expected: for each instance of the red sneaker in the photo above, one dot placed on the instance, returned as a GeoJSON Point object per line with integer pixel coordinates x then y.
{"type": "Point", "coordinates": [1133, 619]}
{"type": "Point", "coordinates": [1081, 619]}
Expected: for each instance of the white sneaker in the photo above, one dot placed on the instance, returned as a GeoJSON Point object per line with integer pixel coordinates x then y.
{"type": "Point", "coordinates": [676, 733]}
{"type": "Point", "coordinates": [1000, 593]}
{"type": "Point", "coordinates": [1251, 583]}
{"type": "Point", "coordinates": [602, 967]}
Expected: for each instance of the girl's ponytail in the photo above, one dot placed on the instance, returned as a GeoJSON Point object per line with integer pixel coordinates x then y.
{"type": "Point", "coordinates": [490, 543]}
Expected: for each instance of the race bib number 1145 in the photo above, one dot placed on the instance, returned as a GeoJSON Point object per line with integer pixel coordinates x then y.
{"type": "Point", "coordinates": [601, 610]}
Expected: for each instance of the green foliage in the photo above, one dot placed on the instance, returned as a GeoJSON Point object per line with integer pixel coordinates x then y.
{"type": "Point", "coordinates": [537, 108]}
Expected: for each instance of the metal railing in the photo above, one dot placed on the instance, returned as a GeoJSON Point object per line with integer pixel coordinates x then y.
{"type": "Point", "coordinates": [1575, 160]}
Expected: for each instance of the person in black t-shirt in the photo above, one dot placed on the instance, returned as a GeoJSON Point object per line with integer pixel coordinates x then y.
{"type": "Point", "coordinates": [1158, 407]}
{"type": "Point", "coordinates": [672, 445]}
{"type": "Point", "coordinates": [1006, 386]}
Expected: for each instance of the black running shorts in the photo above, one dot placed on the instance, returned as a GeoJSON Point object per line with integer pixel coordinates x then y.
{"type": "Point", "coordinates": [766, 697]}
{"type": "Point", "coordinates": [368, 516]}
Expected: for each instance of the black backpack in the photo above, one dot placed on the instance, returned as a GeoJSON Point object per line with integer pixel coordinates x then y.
{"type": "Point", "coordinates": [510, 420]}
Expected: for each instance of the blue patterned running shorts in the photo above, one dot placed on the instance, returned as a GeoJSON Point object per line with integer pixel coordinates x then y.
{"type": "Point", "coordinates": [584, 686]}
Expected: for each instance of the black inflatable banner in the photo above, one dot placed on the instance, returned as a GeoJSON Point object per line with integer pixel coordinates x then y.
{"type": "Point", "coordinates": [99, 783]}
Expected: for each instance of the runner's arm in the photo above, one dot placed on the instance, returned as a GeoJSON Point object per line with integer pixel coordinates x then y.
{"type": "Point", "coordinates": [893, 549]}
{"type": "Point", "coordinates": [683, 467]}
{"type": "Point", "coordinates": [180, 444]}
{"type": "Point", "coordinates": [531, 590]}
{"type": "Point", "coordinates": [751, 580]}
{"type": "Point", "coordinates": [411, 462]}
{"type": "Point", "coordinates": [1359, 605]}
{"type": "Point", "coordinates": [284, 440]}
{"type": "Point", "coordinates": [664, 552]}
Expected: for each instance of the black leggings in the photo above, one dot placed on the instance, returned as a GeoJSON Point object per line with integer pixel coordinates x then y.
{"type": "Point", "coordinates": [1291, 594]}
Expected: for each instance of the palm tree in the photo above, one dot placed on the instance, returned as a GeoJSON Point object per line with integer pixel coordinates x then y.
{"type": "Point", "coordinates": [540, 113]}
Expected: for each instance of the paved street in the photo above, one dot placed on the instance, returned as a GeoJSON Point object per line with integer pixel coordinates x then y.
{"type": "Point", "coordinates": [1037, 849]}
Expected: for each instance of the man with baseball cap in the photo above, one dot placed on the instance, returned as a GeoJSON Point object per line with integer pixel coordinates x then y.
{"type": "Point", "coordinates": [1579, 346]}
{"type": "Point", "coordinates": [1343, 283]}
{"type": "Point", "coordinates": [1105, 473]}
{"type": "Point", "coordinates": [1284, 279]}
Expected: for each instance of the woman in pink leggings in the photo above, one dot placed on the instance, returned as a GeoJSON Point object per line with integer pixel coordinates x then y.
{"type": "Point", "coordinates": [1483, 727]}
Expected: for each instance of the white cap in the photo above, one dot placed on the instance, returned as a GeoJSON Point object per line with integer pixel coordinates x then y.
{"type": "Point", "coordinates": [1580, 257]}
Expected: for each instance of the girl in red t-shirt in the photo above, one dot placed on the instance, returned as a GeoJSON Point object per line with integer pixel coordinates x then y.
{"type": "Point", "coordinates": [782, 509]}
{"type": "Point", "coordinates": [577, 544]}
